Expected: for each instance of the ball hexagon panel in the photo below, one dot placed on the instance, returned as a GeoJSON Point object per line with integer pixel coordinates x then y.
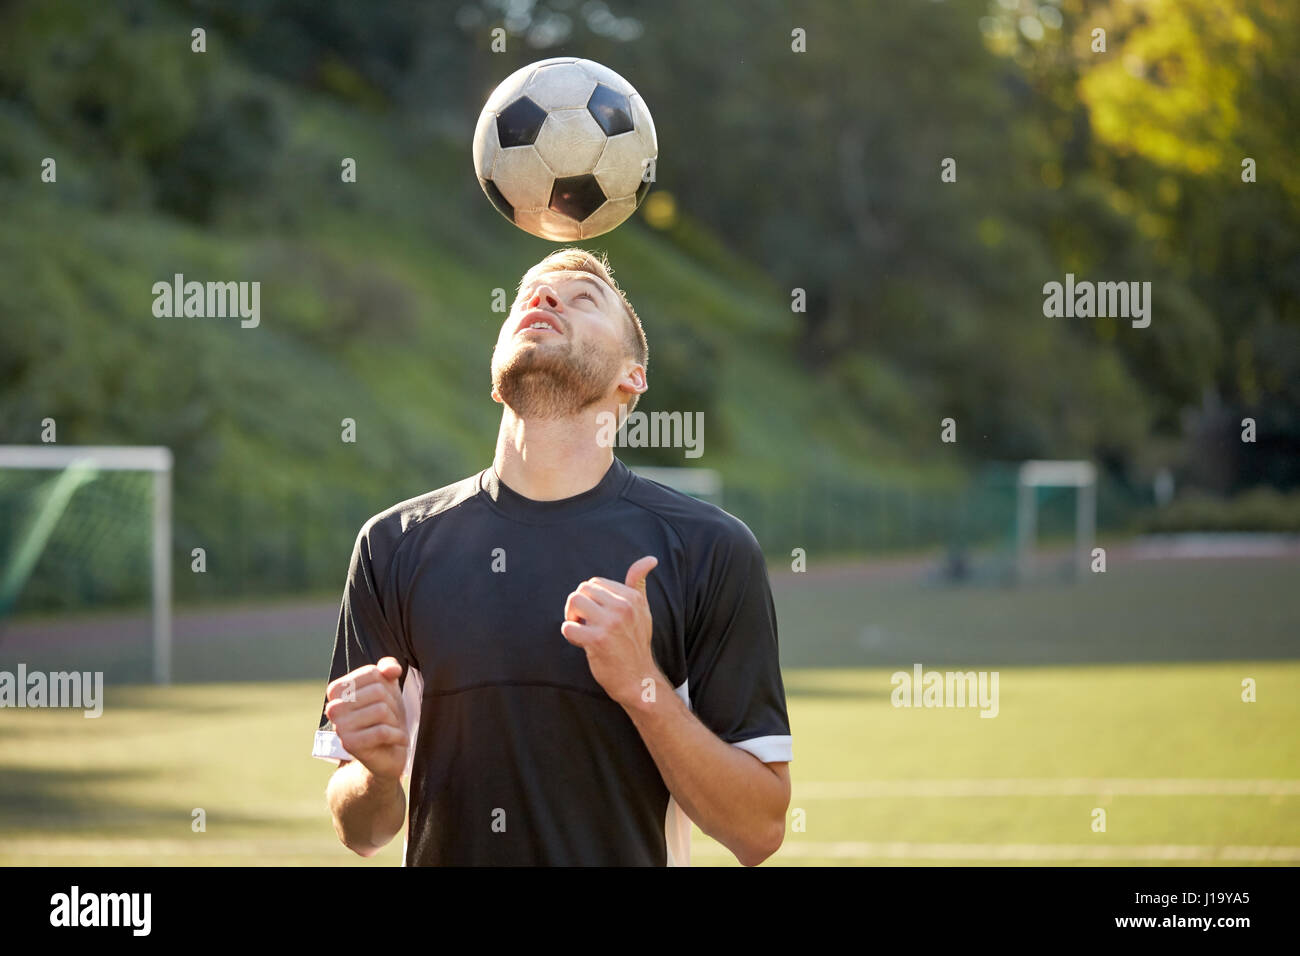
{"type": "Point", "coordinates": [608, 216]}
{"type": "Point", "coordinates": [576, 196]}
{"type": "Point", "coordinates": [621, 166]}
{"type": "Point", "coordinates": [523, 177]}
{"type": "Point", "coordinates": [604, 74]}
{"type": "Point", "coordinates": [510, 88]}
{"type": "Point", "coordinates": [610, 109]}
{"type": "Point", "coordinates": [644, 123]}
{"type": "Point", "coordinates": [557, 227]}
{"type": "Point", "coordinates": [528, 220]}
{"type": "Point", "coordinates": [570, 142]}
{"type": "Point", "coordinates": [519, 123]}
{"type": "Point", "coordinates": [559, 86]}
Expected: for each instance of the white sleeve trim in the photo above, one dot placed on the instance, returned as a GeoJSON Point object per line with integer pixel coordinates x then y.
{"type": "Point", "coordinates": [327, 746]}
{"type": "Point", "coordinates": [412, 697]}
{"type": "Point", "coordinates": [775, 749]}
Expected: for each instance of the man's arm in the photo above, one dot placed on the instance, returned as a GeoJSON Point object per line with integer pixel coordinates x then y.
{"type": "Point", "coordinates": [365, 794]}
{"type": "Point", "coordinates": [368, 811]}
{"type": "Point", "coordinates": [727, 792]}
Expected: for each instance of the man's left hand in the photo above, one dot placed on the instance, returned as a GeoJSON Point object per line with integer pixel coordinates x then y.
{"type": "Point", "coordinates": [611, 622]}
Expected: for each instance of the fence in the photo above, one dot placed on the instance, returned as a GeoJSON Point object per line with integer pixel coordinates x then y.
{"type": "Point", "coordinates": [259, 541]}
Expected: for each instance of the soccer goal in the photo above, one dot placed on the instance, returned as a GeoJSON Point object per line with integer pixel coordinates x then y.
{"type": "Point", "coordinates": [1033, 475]}
{"type": "Point", "coordinates": [60, 504]}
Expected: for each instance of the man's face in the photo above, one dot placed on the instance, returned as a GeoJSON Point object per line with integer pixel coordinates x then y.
{"type": "Point", "coordinates": [562, 347]}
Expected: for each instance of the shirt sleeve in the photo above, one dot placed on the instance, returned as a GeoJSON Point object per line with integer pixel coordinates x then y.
{"type": "Point", "coordinates": [366, 631]}
{"type": "Point", "coordinates": [733, 669]}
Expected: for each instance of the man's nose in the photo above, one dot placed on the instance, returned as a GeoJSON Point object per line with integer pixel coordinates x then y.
{"type": "Point", "coordinates": [544, 294]}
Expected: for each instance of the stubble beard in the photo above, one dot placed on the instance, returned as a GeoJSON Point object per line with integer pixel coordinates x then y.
{"type": "Point", "coordinates": [551, 382]}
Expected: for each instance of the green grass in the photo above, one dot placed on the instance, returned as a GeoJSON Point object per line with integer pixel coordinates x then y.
{"type": "Point", "coordinates": [121, 789]}
{"type": "Point", "coordinates": [1089, 723]}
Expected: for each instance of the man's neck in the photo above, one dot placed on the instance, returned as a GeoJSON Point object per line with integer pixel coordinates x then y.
{"type": "Point", "coordinates": [553, 459]}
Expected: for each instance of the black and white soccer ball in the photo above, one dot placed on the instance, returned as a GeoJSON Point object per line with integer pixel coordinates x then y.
{"type": "Point", "coordinates": [565, 148]}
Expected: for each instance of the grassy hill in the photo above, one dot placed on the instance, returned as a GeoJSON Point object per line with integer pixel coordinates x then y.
{"type": "Point", "coordinates": [375, 303]}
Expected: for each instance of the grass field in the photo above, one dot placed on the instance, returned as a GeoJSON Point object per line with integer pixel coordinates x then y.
{"type": "Point", "coordinates": [1123, 694]}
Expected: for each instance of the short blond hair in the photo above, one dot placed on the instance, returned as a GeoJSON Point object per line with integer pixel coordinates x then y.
{"type": "Point", "coordinates": [573, 259]}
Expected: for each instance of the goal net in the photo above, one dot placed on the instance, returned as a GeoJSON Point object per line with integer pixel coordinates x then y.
{"type": "Point", "coordinates": [86, 527]}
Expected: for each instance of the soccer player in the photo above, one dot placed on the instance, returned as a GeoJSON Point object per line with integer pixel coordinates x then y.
{"type": "Point", "coordinates": [570, 662]}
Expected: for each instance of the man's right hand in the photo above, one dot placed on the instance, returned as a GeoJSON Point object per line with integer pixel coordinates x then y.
{"type": "Point", "coordinates": [365, 707]}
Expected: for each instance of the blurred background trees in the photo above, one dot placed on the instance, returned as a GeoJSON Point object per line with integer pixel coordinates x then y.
{"type": "Point", "coordinates": [779, 170]}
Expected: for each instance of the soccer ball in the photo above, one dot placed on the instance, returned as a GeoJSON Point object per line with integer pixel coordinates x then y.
{"type": "Point", "coordinates": [565, 149]}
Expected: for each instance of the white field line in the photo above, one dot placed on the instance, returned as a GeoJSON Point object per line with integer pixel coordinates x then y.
{"type": "Point", "coordinates": [1045, 787]}
{"type": "Point", "coordinates": [1020, 852]}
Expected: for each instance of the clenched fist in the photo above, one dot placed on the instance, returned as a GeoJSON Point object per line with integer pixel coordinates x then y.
{"type": "Point", "coordinates": [611, 622]}
{"type": "Point", "coordinates": [365, 707]}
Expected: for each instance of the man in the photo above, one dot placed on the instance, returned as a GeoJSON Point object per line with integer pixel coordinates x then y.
{"type": "Point", "coordinates": [567, 660]}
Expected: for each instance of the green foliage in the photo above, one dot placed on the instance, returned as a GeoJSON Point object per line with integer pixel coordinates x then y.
{"type": "Point", "coordinates": [1185, 92]}
{"type": "Point", "coordinates": [817, 170]}
{"type": "Point", "coordinates": [1259, 509]}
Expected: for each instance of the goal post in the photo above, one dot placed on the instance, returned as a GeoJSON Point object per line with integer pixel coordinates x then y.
{"type": "Point", "coordinates": [80, 464]}
{"type": "Point", "coordinates": [1032, 475]}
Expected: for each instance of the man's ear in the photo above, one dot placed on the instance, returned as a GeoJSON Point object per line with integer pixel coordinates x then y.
{"type": "Point", "coordinates": [634, 380]}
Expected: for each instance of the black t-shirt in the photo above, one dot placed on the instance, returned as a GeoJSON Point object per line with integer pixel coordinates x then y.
{"type": "Point", "coordinates": [518, 755]}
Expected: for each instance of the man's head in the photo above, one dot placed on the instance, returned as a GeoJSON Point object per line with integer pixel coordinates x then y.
{"type": "Point", "coordinates": [594, 350]}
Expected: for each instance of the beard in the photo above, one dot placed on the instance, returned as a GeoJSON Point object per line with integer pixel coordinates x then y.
{"type": "Point", "coordinates": [552, 381]}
